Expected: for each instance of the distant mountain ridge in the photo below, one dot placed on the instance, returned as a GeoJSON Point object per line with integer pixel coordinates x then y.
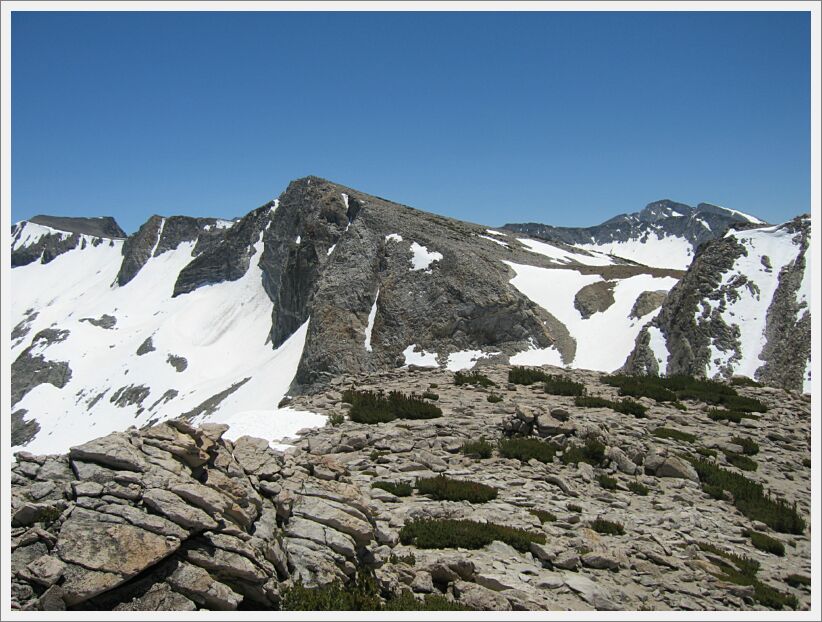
{"type": "Point", "coordinates": [664, 231]}
{"type": "Point", "coordinates": [219, 320]}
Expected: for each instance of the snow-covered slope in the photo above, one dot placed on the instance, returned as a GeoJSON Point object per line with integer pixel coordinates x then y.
{"type": "Point", "coordinates": [742, 308]}
{"type": "Point", "coordinates": [664, 234]}
{"type": "Point", "coordinates": [148, 356]}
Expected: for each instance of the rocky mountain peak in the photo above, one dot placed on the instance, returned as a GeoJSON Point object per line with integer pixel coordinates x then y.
{"type": "Point", "coordinates": [102, 226]}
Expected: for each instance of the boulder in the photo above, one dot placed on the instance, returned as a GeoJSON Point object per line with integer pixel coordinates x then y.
{"type": "Point", "coordinates": [114, 451]}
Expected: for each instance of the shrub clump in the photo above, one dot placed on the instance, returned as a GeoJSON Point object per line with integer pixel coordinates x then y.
{"type": "Point", "coordinates": [593, 452]}
{"type": "Point", "coordinates": [544, 516]}
{"type": "Point", "coordinates": [429, 602]}
{"type": "Point", "coordinates": [625, 406]}
{"type": "Point", "coordinates": [336, 419]}
{"type": "Point", "coordinates": [722, 414]}
{"type": "Point", "coordinates": [573, 507]}
{"type": "Point", "coordinates": [671, 433]}
{"type": "Point", "coordinates": [398, 489]}
{"type": "Point", "coordinates": [639, 489]}
{"type": "Point", "coordinates": [474, 377]}
{"type": "Point", "coordinates": [766, 543]}
{"type": "Point", "coordinates": [744, 381]}
{"type": "Point", "coordinates": [604, 526]}
{"type": "Point", "coordinates": [481, 449]}
{"type": "Point", "coordinates": [608, 483]}
{"type": "Point", "coordinates": [371, 407]}
{"type": "Point", "coordinates": [798, 580]}
{"type": "Point", "coordinates": [524, 449]}
{"type": "Point", "coordinates": [444, 533]}
{"type": "Point", "coordinates": [741, 461]}
{"type": "Point", "coordinates": [749, 446]}
{"type": "Point", "coordinates": [444, 488]}
{"type": "Point", "coordinates": [526, 375]}
{"type": "Point", "coordinates": [494, 398]}
{"type": "Point", "coordinates": [749, 497]}
{"type": "Point", "coordinates": [742, 571]}
{"type": "Point", "coordinates": [430, 395]}
{"type": "Point", "coordinates": [680, 387]}
{"type": "Point", "coordinates": [557, 385]}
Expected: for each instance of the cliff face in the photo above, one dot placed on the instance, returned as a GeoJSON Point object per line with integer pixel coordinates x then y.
{"type": "Point", "coordinates": [742, 308]}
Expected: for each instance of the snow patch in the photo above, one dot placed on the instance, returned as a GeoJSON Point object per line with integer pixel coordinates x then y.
{"type": "Point", "coordinates": [494, 240]}
{"type": "Point", "coordinates": [659, 348]}
{"type": "Point", "coordinates": [422, 257]}
{"type": "Point", "coordinates": [271, 425]}
{"type": "Point", "coordinates": [393, 237]}
{"type": "Point", "coordinates": [344, 198]}
{"type": "Point", "coordinates": [666, 252]}
{"type": "Point", "coordinates": [371, 317]}
{"type": "Point", "coordinates": [331, 249]}
{"type": "Point", "coordinates": [465, 359]}
{"type": "Point", "coordinates": [562, 255]}
{"type": "Point", "coordinates": [493, 232]}
{"type": "Point", "coordinates": [422, 358]}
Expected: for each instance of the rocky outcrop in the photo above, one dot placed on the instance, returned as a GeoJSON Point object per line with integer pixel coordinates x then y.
{"type": "Point", "coordinates": [647, 302]}
{"type": "Point", "coordinates": [328, 251]}
{"type": "Point", "coordinates": [158, 235]}
{"type": "Point", "coordinates": [701, 324]}
{"type": "Point", "coordinates": [227, 254]}
{"type": "Point", "coordinates": [31, 368]}
{"type": "Point", "coordinates": [176, 517]}
{"type": "Point", "coordinates": [594, 298]}
{"type": "Point", "coordinates": [100, 227]}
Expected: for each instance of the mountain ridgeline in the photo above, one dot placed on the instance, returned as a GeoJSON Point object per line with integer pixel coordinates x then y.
{"type": "Point", "coordinates": [204, 317]}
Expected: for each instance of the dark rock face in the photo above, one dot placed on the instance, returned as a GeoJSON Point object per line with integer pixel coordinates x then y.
{"type": "Point", "coordinates": [31, 369]}
{"type": "Point", "coordinates": [22, 429]}
{"type": "Point", "coordinates": [67, 236]}
{"type": "Point", "coordinates": [326, 255]}
{"type": "Point", "coordinates": [647, 302]}
{"type": "Point", "coordinates": [594, 298]}
{"type": "Point", "coordinates": [158, 235]}
{"type": "Point", "coordinates": [104, 321]}
{"type": "Point", "coordinates": [102, 227]}
{"type": "Point", "coordinates": [788, 328]}
{"type": "Point", "coordinates": [691, 317]}
{"type": "Point", "coordinates": [698, 225]}
{"type": "Point", "coordinates": [225, 254]}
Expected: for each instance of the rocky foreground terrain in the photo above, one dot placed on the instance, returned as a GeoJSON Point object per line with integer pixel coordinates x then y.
{"type": "Point", "coordinates": [178, 518]}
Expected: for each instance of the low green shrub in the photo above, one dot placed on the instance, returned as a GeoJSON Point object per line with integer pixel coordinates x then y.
{"type": "Point", "coordinates": [806, 462]}
{"type": "Point", "coordinates": [359, 594]}
{"type": "Point", "coordinates": [523, 449]}
{"type": "Point", "coordinates": [558, 385]}
{"type": "Point", "coordinates": [427, 602]}
{"type": "Point", "coordinates": [430, 395]}
{"type": "Point", "coordinates": [604, 526]}
{"type": "Point", "coordinates": [630, 407]}
{"type": "Point", "coordinates": [445, 533]}
{"type": "Point", "coordinates": [592, 401]}
{"type": "Point", "coordinates": [750, 498]}
{"type": "Point", "coordinates": [766, 543]}
{"type": "Point", "coordinates": [744, 381]}
{"type": "Point", "coordinates": [444, 488]}
{"type": "Point", "coordinates": [544, 516]}
{"type": "Point", "coordinates": [526, 375]}
{"type": "Point", "coordinates": [639, 489]}
{"type": "Point", "coordinates": [371, 407]}
{"type": "Point", "coordinates": [474, 377]}
{"type": "Point", "coordinates": [409, 559]}
{"type": "Point", "coordinates": [593, 452]}
{"type": "Point", "coordinates": [481, 449]}
{"type": "Point", "coordinates": [721, 414]}
{"type": "Point", "coordinates": [671, 433]}
{"type": "Point", "coordinates": [640, 386]}
{"type": "Point", "coordinates": [494, 398]}
{"type": "Point", "coordinates": [798, 580]}
{"type": "Point", "coordinates": [608, 483]}
{"type": "Point", "coordinates": [399, 489]}
{"type": "Point", "coordinates": [706, 452]}
{"type": "Point", "coordinates": [741, 461]}
{"type": "Point", "coordinates": [336, 419]}
{"type": "Point", "coordinates": [573, 507]}
{"type": "Point", "coordinates": [742, 571]}
{"type": "Point", "coordinates": [749, 446]}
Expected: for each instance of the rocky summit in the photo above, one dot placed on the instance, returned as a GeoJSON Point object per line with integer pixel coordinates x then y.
{"type": "Point", "coordinates": [552, 495]}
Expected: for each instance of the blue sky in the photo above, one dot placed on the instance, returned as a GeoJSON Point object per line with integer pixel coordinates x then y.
{"type": "Point", "coordinates": [562, 118]}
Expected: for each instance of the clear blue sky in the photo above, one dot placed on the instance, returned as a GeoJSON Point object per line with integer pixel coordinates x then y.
{"type": "Point", "coordinates": [563, 118]}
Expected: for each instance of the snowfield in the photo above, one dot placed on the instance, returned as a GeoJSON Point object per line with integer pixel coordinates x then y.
{"type": "Point", "coordinates": [221, 330]}
{"type": "Point", "coordinates": [667, 252]}
{"type": "Point", "coordinates": [563, 256]}
{"type": "Point", "coordinates": [605, 339]}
